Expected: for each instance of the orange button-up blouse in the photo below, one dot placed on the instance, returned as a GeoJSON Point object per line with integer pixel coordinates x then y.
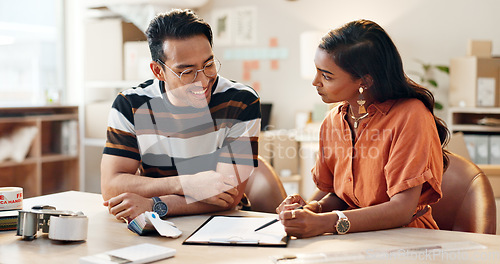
{"type": "Point", "coordinates": [396, 147]}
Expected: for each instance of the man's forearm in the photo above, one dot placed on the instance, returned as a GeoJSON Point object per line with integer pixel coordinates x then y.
{"type": "Point", "coordinates": [144, 186]}
{"type": "Point", "coordinates": [180, 205]}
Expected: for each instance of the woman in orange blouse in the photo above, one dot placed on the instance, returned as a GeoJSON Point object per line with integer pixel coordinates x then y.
{"type": "Point", "coordinates": [381, 156]}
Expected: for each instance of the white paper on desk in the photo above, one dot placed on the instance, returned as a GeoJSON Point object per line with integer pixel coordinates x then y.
{"type": "Point", "coordinates": [227, 229]}
{"type": "Point", "coordinates": [401, 254]}
{"type": "Point", "coordinates": [142, 253]}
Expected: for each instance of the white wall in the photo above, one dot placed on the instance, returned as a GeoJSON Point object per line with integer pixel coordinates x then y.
{"type": "Point", "coordinates": [429, 30]}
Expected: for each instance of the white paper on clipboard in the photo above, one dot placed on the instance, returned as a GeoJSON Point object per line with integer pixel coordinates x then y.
{"type": "Point", "coordinates": [238, 230]}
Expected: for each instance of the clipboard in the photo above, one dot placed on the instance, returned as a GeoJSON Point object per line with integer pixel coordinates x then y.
{"type": "Point", "coordinates": [238, 231]}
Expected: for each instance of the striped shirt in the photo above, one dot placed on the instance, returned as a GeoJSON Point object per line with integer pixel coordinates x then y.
{"type": "Point", "coordinates": [170, 140]}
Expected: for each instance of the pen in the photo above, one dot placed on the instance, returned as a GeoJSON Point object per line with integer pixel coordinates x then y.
{"type": "Point", "coordinates": [274, 221]}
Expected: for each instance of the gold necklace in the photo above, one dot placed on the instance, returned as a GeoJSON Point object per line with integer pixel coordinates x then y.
{"type": "Point", "coordinates": [356, 120]}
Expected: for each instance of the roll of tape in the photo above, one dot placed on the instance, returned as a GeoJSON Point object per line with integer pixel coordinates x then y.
{"type": "Point", "coordinates": [11, 198]}
{"type": "Point", "coordinates": [68, 228]}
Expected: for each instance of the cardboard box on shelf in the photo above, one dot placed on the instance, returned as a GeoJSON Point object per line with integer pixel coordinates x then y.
{"type": "Point", "coordinates": [281, 150]}
{"type": "Point", "coordinates": [136, 59]}
{"type": "Point", "coordinates": [479, 48]}
{"type": "Point", "coordinates": [474, 82]}
{"type": "Point", "coordinates": [266, 147]}
{"type": "Point", "coordinates": [104, 42]}
{"type": "Point", "coordinates": [285, 154]}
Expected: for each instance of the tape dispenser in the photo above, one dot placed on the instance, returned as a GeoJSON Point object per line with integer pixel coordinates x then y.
{"type": "Point", "coordinates": [60, 225]}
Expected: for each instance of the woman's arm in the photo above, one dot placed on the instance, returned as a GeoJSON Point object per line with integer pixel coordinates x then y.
{"type": "Point", "coordinates": [398, 211]}
{"type": "Point", "coordinates": [328, 203]}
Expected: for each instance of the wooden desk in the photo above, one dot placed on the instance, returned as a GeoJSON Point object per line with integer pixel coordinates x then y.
{"type": "Point", "coordinates": [107, 233]}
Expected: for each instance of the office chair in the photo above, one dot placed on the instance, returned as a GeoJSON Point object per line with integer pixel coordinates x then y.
{"type": "Point", "coordinates": [468, 203]}
{"type": "Point", "coordinates": [264, 188]}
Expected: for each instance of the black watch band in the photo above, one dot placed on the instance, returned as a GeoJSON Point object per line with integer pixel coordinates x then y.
{"type": "Point", "coordinates": [159, 207]}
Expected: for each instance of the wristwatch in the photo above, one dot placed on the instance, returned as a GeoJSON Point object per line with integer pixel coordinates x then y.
{"type": "Point", "coordinates": [342, 226]}
{"type": "Point", "coordinates": [159, 207]}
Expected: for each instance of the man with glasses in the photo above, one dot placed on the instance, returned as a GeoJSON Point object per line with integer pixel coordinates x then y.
{"type": "Point", "coordinates": [185, 142]}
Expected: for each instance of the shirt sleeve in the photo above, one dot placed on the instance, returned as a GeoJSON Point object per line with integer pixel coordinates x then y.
{"type": "Point", "coordinates": [321, 174]}
{"type": "Point", "coordinates": [121, 139]}
{"type": "Point", "coordinates": [415, 157]}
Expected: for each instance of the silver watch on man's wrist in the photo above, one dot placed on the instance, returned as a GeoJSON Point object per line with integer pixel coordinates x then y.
{"type": "Point", "coordinates": [159, 207]}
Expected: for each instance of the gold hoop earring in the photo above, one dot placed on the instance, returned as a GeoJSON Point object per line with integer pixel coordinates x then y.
{"type": "Point", "coordinates": [361, 101]}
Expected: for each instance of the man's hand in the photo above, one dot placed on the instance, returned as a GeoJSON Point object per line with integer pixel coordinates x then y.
{"type": "Point", "coordinates": [210, 187]}
{"type": "Point", "coordinates": [128, 206]}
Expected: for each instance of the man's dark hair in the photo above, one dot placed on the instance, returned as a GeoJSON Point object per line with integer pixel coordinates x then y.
{"type": "Point", "coordinates": [175, 24]}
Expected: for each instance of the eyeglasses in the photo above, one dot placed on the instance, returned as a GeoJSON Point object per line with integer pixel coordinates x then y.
{"type": "Point", "coordinates": [188, 76]}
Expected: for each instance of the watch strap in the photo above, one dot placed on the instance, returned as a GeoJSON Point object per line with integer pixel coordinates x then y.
{"type": "Point", "coordinates": [156, 199]}
{"type": "Point", "coordinates": [159, 207]}
{"type": "Point", "coordinates": [342, 220]}
{"type": "Point", "coordinates": [340, 214]}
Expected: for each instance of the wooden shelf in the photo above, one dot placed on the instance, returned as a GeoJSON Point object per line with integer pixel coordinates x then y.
{"type": "Point", "coordinates": [294, 178]}
{"type": "Point", "coordinates": [52, 163]}
{"type": "Point", "coordinates": [476, 128]}
{"type": "Point", "coordinates": [475, 110]}
{"type": "Point", "coordinates": [57, 157]}
{"type": "Point", "coordinates": [466, 120]}
{"type": "Point", "coordinates": [60, 117]}
{"type": "Point", "coordinates": [10, 163]}
{"type": "Point", "coordinates": [490, 169]}
{"type": "Point", "coordinates": [34, 118]}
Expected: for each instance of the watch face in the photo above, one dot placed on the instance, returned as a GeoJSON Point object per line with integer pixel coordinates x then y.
{"type": "Point", "coordinates": [343, 226]}
{"type": "Point", "coordinates": [160, 208]}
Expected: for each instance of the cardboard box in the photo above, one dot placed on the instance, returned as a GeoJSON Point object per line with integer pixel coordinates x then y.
{"type": "Point", "coordinates": [282, 151]}
{"type": "Point", "coordinates": [104, 42]}
{"type": "Point", "coordinates": [286, 155]}
{"type": "Point", "coordinates": [96, 119]}
{"type": "Point", "coordinates": [486, 92]}
{"type": "Point", "coordinates": [266, 146]}
{"type": "Point", "coordinates": [474, 82]}
{"type": "Point", "coordinates": [137, 58]}
{"type": "Point", "coordinates": [479, 48]}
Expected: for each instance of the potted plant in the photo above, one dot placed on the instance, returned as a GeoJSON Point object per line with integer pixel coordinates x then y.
{"type": "Point", "coordinates": [428, 78]}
